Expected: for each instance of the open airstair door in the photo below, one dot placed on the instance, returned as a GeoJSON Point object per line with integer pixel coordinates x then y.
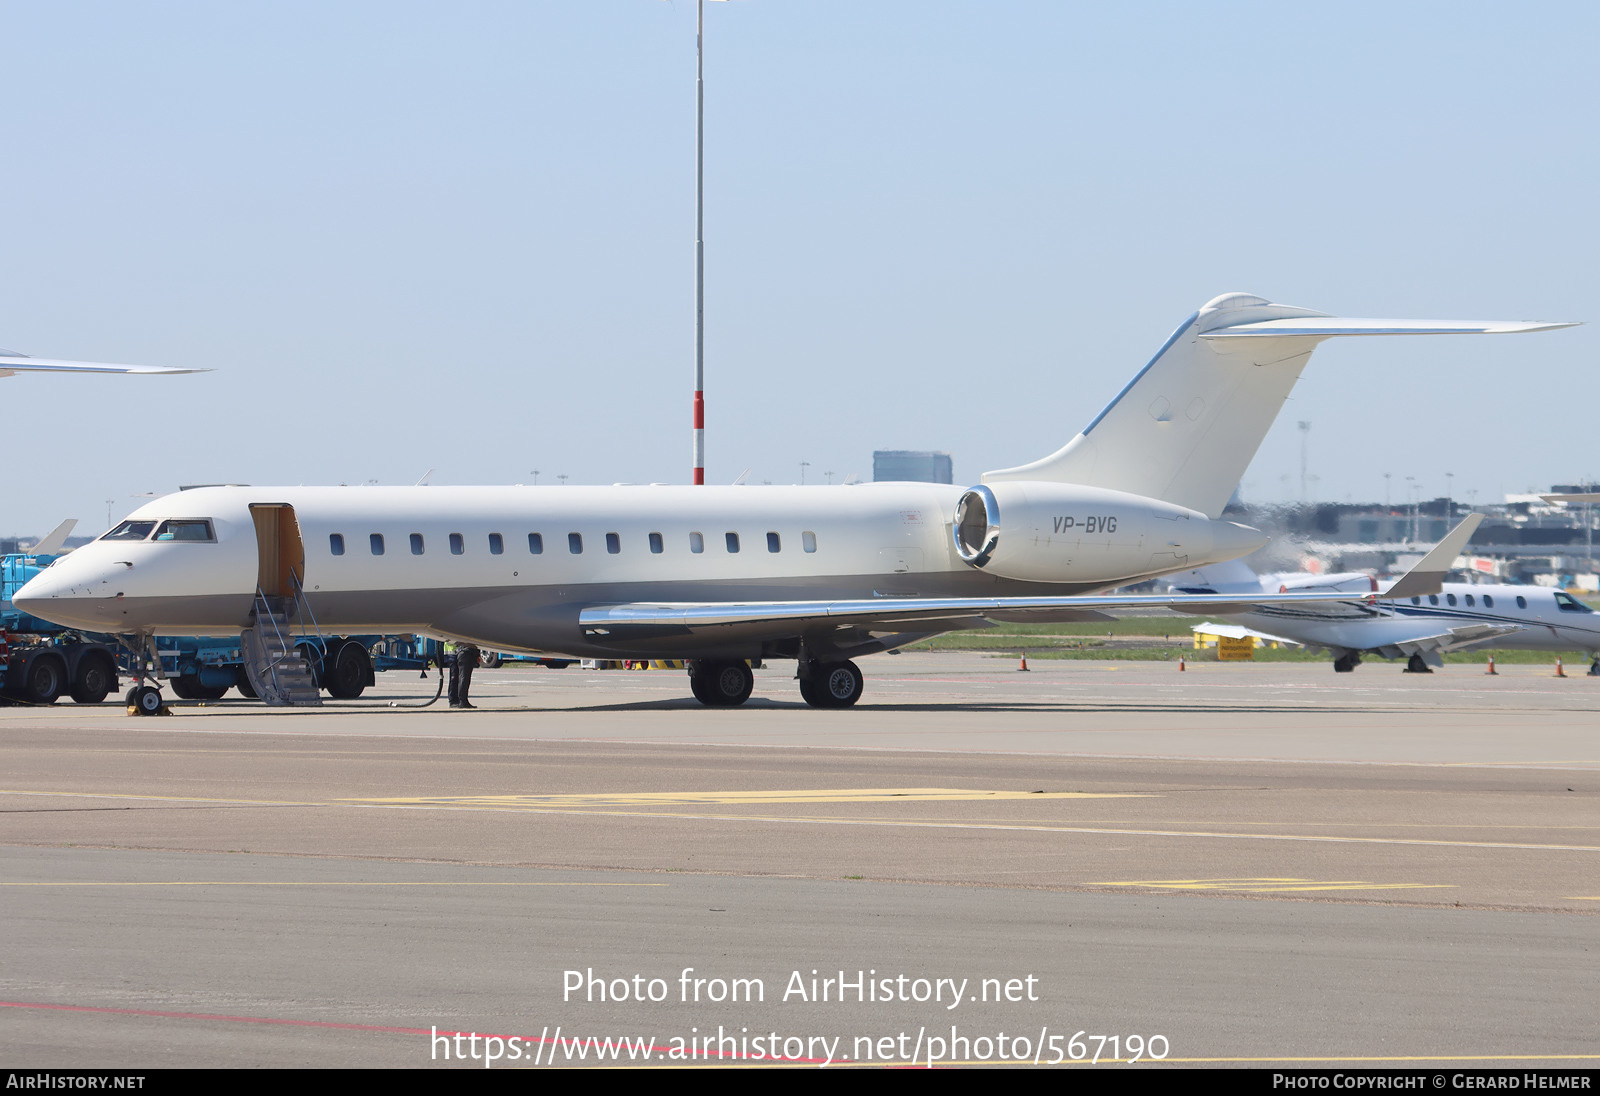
{"type": "Point", "coordinates": [272, 662]}
{"type": "Point", "coordinates": [282, 556]}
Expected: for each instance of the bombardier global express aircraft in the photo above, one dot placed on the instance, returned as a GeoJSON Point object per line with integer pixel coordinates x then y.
{"type": "Point", "coordinates": [720, 576]}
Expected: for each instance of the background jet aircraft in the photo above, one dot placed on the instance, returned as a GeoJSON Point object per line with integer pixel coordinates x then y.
{"type": "Point", "coordinates": [1420, 628]}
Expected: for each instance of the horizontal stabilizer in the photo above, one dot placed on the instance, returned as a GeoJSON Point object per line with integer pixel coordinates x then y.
{"type": "Point", "coordinates": [1334, 326]}
{"type": "Point", "coordinates": [1428, 575]}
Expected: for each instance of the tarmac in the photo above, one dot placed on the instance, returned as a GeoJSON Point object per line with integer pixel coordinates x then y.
{"type": "Point", "coordinates": [1254, 865]}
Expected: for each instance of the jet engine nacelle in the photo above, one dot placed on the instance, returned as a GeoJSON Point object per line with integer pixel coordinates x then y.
{"type": "Point", "coordinates": [1062, 532]}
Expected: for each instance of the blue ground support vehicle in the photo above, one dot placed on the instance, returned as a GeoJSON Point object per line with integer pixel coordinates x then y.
{"type": "Point", "coordinates": [40, 662]}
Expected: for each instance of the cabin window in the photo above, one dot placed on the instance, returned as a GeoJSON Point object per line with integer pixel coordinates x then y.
{"type": "Point", "coordinates": [697, 543]}
{"type": "Point", "coordinates": [1433, 599]}
{"type": "Point", "coordinates": [535, 544]}
{"type": "Point", "coordinates": [130, 530]}
{"type": "Point", "coordinates": [808, 541]}
{"type": "Point", "coordinates": [733, 542]}
{"type": "Point", "coordinates": [416, 544]}
{"type": "Point", "coordinates": [1522, 602]}
{"type": "Point", "coordinates": [613, 543]}
{"type": "Point", "coordinates": [1416, 601]}
{"type": "Point", "coordinates": [497, 545]}
{"type": "Point", "coordinates": [1488, 601]}
{"type": "Point", "coordinates": [575, 543]}
{"type": "Point", "coordinates": [657, 545]}
{"type": "Point", "coordinates": [193, 530]}
{"type": "Point", "coordinates": [1450, 598]}
{"type": "Point", "coordinates": [377, 543]}
{"type": "Point", "coordinates": [336, 543]}
{"type": "Point", "coordinates": [458, 544]}
{"type": "Point", "coordinates": [1470, 602]}
{"type": "Point", "coordinates": [773, 544]}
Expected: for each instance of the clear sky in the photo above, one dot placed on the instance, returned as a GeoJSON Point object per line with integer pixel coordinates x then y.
{"type": "Point", "coordinates": [416, 235]}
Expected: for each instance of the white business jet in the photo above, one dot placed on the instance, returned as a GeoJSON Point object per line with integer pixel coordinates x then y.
{"type": "Point", "coordinates": [722, 575]}
{"type": "Point", "coordinates": [1419, 627]}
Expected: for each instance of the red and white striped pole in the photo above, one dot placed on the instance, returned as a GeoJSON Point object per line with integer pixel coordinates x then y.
{"type": "Point", "coordinates": [699, 246]}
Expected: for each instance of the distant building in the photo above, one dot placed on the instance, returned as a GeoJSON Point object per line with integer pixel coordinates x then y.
{"type": "Point", "coordinates": [909, 464]}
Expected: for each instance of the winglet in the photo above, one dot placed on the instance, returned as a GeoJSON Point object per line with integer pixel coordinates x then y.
{"type": "Point", "coordinates": [1428, 575]}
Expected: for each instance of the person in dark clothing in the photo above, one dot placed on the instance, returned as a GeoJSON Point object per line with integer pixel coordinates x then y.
{"type": "Point", "coordinates": [462, 663]}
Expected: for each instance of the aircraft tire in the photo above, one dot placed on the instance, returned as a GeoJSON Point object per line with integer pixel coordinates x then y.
{"type": "Point", "coordinates": [146, 700]}
{"type": "Point", "coordinates": [1416, 664]}
{"type": "Point", "coordinates": [246, 690]}
{"type": "Point", "coordinates": [97, 678]}
{"type": "Point", "coordinates": [1346, 663]}
{"type": "Point", "coordinates": [719, 684]}
{"type": "Point", "coordinates": [835, 685]}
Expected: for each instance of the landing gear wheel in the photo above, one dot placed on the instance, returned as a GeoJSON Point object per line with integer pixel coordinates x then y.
{"type": "Point", "coordinates": [1594, 668]}
{"type": "Point", "coordinates": [490, 660]}
{"type": "Point", "coordinates": [97, 677]}
{"type": "Point", "coordinates": [246, 690]}
{"type": "Point", "coordinates": [345, 673]}
{"type": "Point", "coordinates": [832, 685]}
{"type": "Point", "coordinates": [43, 680]}
{"type": "Point", "coordinates": [145, 699]}
{"type": "Point", "coordinates": [1416, 665]}
{"type": "Point", "coordinates": [719, 684]}
{"type": "Point", "coordinates": [1346, 662]}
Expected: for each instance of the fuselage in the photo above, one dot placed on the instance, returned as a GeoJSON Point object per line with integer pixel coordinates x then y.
{"type": "Point", "coordinates": [512, 567]}
{"type": "Point", "coordinates": [1543, 619]}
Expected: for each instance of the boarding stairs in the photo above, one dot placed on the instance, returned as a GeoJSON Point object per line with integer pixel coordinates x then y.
{"type": "Point", "coordinates": [273, 664]}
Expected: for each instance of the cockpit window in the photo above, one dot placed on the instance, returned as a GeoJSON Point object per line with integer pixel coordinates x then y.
{"type": "Point", "coordinates": [1569, 604]}
{"type": "Point", "coordinates": [192, 529]}
{"type": "Point", "coordinates": [130, 530]}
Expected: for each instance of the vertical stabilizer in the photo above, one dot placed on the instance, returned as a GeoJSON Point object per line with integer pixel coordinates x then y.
{"type": "Point", "coordinates": [1187, 426]}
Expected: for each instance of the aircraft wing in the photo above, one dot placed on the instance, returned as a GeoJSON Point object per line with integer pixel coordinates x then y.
{"type": "Point", "coordinates": [11, 363]}
{"type": "Point", "coordinates": [886, 614]}
{"type": "Point", "coordinates": [1450, 639]}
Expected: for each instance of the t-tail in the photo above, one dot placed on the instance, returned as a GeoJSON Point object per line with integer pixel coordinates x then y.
{"type": "Point", "coordinates": [1187, 426]}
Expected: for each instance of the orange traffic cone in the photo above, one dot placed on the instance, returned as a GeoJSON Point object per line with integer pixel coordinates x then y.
{"type": "Point", "coordinates": [1181, 666]}
{"type": "Point", "coordinates": [1024, 667]}
{"type": "Point", "coordinates": [1559, 671]}
{"type": "Point", "coordinates": [1491, 670]}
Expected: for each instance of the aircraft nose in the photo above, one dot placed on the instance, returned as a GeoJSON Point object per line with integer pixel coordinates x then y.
{"type": "Point", "coordinates": [55, 595]}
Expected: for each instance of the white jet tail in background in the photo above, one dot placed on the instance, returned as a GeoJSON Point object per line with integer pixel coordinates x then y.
{"type": "Point", "coordinates": [1187, 426]}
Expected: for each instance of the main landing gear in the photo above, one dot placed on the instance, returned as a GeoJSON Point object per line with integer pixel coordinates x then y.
{"type": "Point", "coordinates": [1346, 662]}
{"type": "Point", "coordinates": [726, 683]}
{"type": "Point", "coordinates": [831, 684]}
{"type": "Point", "coordinates": [1416, 665]}
{"type": "Point", "coordinates": [721, 684]}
